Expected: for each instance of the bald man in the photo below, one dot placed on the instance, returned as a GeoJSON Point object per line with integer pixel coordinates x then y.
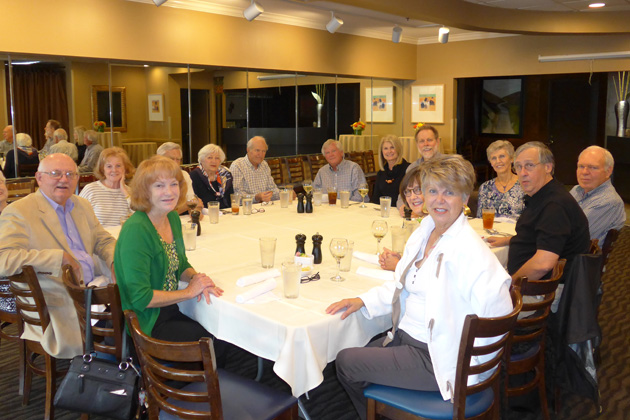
{"type": "Point", "coordinates": [48, 229]}
{"type": "Point", "coordinates": [6, 145]}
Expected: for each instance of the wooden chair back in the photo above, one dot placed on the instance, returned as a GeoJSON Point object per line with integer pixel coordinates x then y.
{"type": "Point", "coordinates": [357, 157]}
{"type": "Point", "coordinates": [85, 179]}
{"type": "Point", "coordinates": [370, 164]}
{"type": "Point", "coordinates": [157, 357]}
{"type": "Point", "coordinates": [607, 246]}
{"type": "Point", "coordinates": [29, 298]}
{"type": "Point", "coordinates": [594, 248]}
{"type": "Point", "coordinates": [316, 161]}
{"type": "Point", "coordinates": [8, 315]}
{"type": "Point", "coordinates": [20, 187]}
{"type": "Point", "coordinates": [275, 164]}
{"type": "Point", "coordinates": [107, 335]}
{"type": "Point", "coordinates": [295, 169]}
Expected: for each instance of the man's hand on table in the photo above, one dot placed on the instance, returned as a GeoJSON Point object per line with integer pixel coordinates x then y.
{"type": "Point", "coordinates": [202, 285]}
{"type": "Point", "coordinates": [350, 306]}
{"type": "Point", "coordinates": [388, 259]}
{"type": "Point", "coordinates": [263, 196]}
{"type": "Point", "coordinates": [497, 241]}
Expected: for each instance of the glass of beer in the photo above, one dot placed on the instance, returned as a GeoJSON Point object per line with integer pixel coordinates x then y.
{"type": "Point", "coordinates": [488, 218]}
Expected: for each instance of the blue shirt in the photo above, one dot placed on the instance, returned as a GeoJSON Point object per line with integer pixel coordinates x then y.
{"type": "Point", "coordinates": [73, 238]}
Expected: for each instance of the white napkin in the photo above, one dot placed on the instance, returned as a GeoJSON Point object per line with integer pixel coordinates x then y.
{"type": "Point", "coordinates": [257, 278]}
{"type": "Point", "coordinates": [503, 219]}
{"type": "Point", "coordinates": [376, 273]}
{"type": "Point", "coordinates": [364, 256]}
{"type": "Point", "coordinates": [262, 288]}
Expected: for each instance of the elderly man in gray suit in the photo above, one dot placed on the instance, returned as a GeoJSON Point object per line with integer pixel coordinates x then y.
{"type": "Point", "coordinates": [46, 230]}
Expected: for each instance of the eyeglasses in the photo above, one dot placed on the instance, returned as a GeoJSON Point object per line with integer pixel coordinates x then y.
{"type": "Point", "coordinates": [59, 174]}
{"type": "Point", "coordinates": [415, 190]}
{"type": "Point", "coordinates": [267, 203]}
{"type": "Point", "coordinates": [257, 210]}
{"type": "Point", "coordinates": [308, 279]}
{"type": "Point", "coordinates": [529, 166]}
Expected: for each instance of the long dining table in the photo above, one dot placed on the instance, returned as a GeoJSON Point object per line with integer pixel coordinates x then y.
{"type": "Point", "coordinates": [296, 334]}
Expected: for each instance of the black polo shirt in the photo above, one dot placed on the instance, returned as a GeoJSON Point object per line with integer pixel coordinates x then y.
{"type": "Point", "coordinates": [552, 221]}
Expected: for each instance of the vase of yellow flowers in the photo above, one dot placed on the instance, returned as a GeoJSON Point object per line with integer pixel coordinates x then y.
{"type": "Point", "coordinates": [358, 127]}
{"type": "Point", "coordinates": [417, 126]}
{"type": "Point", "coordinates": [99, 126]}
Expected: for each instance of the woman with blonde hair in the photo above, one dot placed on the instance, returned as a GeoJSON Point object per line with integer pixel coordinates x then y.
{"type": "Point", "coordinates": [79, 133]}
{"type": "Point", "coordinates": [110, 195]}
{"type": "Point", "coordinates": [393, 168]}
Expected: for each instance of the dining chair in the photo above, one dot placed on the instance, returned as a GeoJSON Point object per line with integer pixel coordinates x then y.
{"type": "Point", "coordinates": [609, 241]}
{"type": "Point", "coordinates": [85, 179]}
{"type": "Point", "coordinates": [11, 327]}
{"type": "Point", "coordinates": [316, 161]}
{"type": "Point", "coordinates": [275, 164]}
{"type": "Point", "coordinates": [295, 169]}
{"type": "Point", "coordinates": [19, 188]}
{"type": "Point", "coordinates": [528, 338]}
{"type": "Point", "coordinates": [370, 164]}
{"type": "Point", "coordinates": [357, 157]}
{"type": "Point", "coordinates": [209, 393]}
{"type": "Point", "coordinates": [470, 401]}
{"type": "Point", "coordinates": [29, 300]}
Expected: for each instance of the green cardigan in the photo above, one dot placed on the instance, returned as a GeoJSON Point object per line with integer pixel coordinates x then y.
{"type": "Point", "coordinates": [140, 264]}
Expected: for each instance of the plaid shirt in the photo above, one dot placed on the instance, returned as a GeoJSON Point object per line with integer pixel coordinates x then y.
{"type": "Point", "coordinates": [348, 176]}
{"type": "Point", "coordinates": [250, 180]}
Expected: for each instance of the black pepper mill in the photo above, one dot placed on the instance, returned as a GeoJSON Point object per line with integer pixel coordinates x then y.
{"type": "Point", "coordinates": [309, 203]}
{"type": "Point", "coordinates": [300, 239]}
{"type": "Point", "coordinates": [195, 215]}
{"type": "Point", "coordinates": [407, 211]}
{"type": "Point", "coordinates": [300, 205]}
{"type": "Point", "coordinates": [317, 248]}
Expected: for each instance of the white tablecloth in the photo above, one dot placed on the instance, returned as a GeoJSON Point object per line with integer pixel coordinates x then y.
{"type": "Point", "coordinates": [295, 333]}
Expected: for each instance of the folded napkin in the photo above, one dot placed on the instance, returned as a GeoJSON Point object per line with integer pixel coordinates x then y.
{"type": "Point", "coordinates": [376, 273]}
{"type": "Point", "coordinates": [267, 286]}
{"type": "Point", "coordinates": [257, 278]}
{"type": "Point", "coordinates": [364, 256]}
{"type": "Point", "coordinates": [503, 219]}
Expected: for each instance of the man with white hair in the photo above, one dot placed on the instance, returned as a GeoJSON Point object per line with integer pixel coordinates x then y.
{"type": "Point", "coordinates": [92, 151]}
{"type": "Point", "coordinates": [63, 146]}
{"type": "Point", "coordinates": [339, 174]}
{"type": "Point", "coordinates": [26, 154]}
{"type": "Point", "coordinates": [252, 174]}
{"type": "Point", "coordinates": [6, 145]}
{"type": "Point", "coordinates": [173, 151]}
{"type": "Point", "coordinates": [595, 193]}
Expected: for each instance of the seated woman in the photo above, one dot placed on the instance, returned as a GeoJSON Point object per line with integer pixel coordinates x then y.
{"type": "Point", "coordinates": [211, 180]}
{"type": "Point", "coordinates": [447, 272]}
{"type": "Point", "coordinates": [110, 195]}
{"type": "Point", "coordinates": [393, 167]}
{"type": "Point", "coordinates": [26, 154]}
{"type": "Point", "coordinates": [150, 259]}
{"type": "Point", "coordinates": [503, 193]}
{"type": "Point", "coordinates": [79, 134]}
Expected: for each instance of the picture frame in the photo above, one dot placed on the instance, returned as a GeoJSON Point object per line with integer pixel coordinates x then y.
{"type": "Point", "coordinates": [501, 108]}
{"type": "Point", "coordinates": [379, 104]}
{"type": "Point", "coordinates": [100, 106]}
{"type": "Point", "coordinates": [156, 107]}
{"type": "Point", "coordinates": [427, 104]}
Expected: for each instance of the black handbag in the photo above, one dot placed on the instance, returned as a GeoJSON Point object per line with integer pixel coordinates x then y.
{"type": "Point", "coordinates": [99, 386]}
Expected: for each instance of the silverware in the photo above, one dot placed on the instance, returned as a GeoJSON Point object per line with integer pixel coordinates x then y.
{"type": "Point", "coordinates": [496, 232]}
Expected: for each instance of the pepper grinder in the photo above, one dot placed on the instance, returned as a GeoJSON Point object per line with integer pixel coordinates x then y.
{"type": "Point", "coordinates": [300, 205]}
{"type": "Point", "coordinates": [317, 248]}
{"type": "Point", "coordinates": [407, 211]}
{"type": "Point", "coordinates": [300, 239]}
{"type": "Point", "coordinates": [195, 215]}
{"type": "Point", "coordinates": [309, 203]}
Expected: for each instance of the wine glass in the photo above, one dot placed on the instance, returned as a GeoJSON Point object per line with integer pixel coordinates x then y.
{"type": "Point", "coordinates": [308, 186]}
{"type": "Point", "coordinates": [379, 230]}
{"type": "Point", "coordinates": [363, 190]}
{"type": "Point", "coordinates": [338, 249]}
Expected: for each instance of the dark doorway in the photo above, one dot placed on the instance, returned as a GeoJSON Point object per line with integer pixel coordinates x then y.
{"type": "Point", "coordinates": [200, 103]}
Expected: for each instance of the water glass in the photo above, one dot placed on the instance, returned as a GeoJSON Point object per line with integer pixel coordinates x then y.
{"type": "Point", "coordinates": [236, 201]}
{"type": "Point", "coordinates": [190, 236]}
{"type": "Point", "coordinates": [346, 262]}
{"type": "Point", "coordinates": [285, 198]}
{"type": "Point", "coordinates": [385, 204]}
{"type": "Point", "coordinates": [399, 238]}
{"type": "Point", "coordinates": [317, 197]}
{"type": "Point", "coordinates": [267, 251]}
{"type": "Point", "coordinates": [344, 197]}
{"type": "Point", "coordinates": [213, 212]}
{"type": "Point", "coordinates": [247, 205]}
{"type": "Point", "coordinates": [291, 273]}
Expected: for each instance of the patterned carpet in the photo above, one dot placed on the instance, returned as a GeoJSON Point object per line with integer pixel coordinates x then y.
{"type": "Point", "coordinates": [329, 402]}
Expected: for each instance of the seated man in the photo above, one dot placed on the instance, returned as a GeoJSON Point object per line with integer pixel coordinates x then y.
{"type": "Point", "coordinates": [6, 145]}
{"type": "Point", "coordinates": [595, 193]}
{"type": "Point", "coordinates": [251, 174]}
{"type": "Point", "coordinates": [551, 227]}
{"type": "Point", "coordinates": [49, 131]}
{"type": "Point", "coordinates": [46, 230]}
{"type": "Point", "coordinates": [92, 151]}
{"type": "Point", "coordinates": [339, 174]}
{"type": "Point", "coordinates": [63, 146]}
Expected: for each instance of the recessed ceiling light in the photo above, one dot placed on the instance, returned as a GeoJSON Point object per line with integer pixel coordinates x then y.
{"type": "Point", "coordinates": [596, 5]}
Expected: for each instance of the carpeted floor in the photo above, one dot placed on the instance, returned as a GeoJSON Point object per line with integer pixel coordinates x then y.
{"type": "Point", "coordinates": [329, 401]}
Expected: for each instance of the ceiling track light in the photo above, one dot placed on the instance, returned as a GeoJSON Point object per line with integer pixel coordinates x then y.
{"type": "Point", "coordinates": [396, 34]}
{"type": "Point", "coordinates": [334, 24]}
{"type": "Point", "coordinates": [158, 3]}
{"type": "Point", "coordinates": [253, 11]}
{"type": "Point", "coordinates": [443, 35]}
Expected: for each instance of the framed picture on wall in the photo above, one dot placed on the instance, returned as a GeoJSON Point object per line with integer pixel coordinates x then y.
{"type": "Point", "coordinates": [100, 106]}
{"type": "Point", "coordinates": [502, 106]}
{"type": "Point", "coordinates": [156, 107]}
{"type": "Point", "coordinates": [379, 104]}
{"type": "Point", "coordinates": [427, 104]}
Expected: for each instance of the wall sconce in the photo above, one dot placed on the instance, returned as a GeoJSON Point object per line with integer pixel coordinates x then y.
{"type": "Point", "coordinates": [443, 35]}
{"type": "Point", "coordinates": [253, 11]}
{"type": "Point", "coordinates": [396, 34]}
{"type": "Point", "coordinates": [334, 24]}
{"type": "Point", "coordinates": [158, 3]}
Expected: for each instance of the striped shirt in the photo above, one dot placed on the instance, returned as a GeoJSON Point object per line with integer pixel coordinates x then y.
{"type": "Point", "coordinates": [250, 180]}
{"type": "Point", "coordinates": [348, 177]}
{"type": "Point", "coordinates": [603, 208]}
{"type": "Point", "coordinates": [109, 204]}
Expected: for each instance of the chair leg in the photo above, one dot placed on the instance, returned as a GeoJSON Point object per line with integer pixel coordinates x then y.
{"type": "Point", "coordinates": [28, 376]}
{"type": "Point", "coordinates": [371, 409]}
{"type": "Point", "coordinates": [51, 370]}
{"type": "Point", "coordinates": [22, 367]}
